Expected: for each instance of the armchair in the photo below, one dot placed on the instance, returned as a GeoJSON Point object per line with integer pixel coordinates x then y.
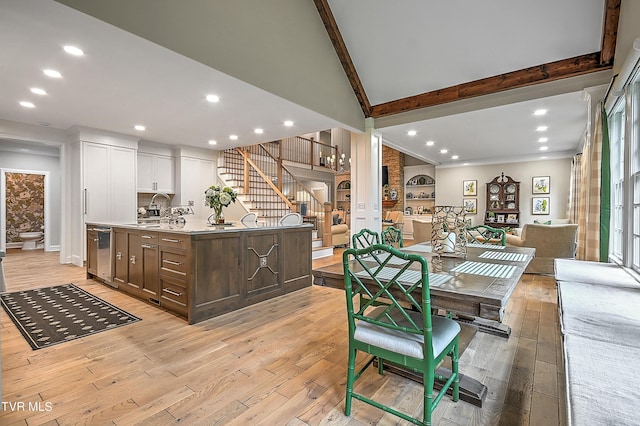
{"type": "Point", "coordinates": [393, 218]}
{"type": "Point", "coordinates": [340, 233]}
{"type": "Point", "coordinates": [421, 231]}
{"type": "Point", "coordinates": [550, 241]}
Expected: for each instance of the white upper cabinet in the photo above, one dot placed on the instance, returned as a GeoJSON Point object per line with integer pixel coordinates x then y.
{"type": "Point", "coordinates": [108, 183]}
{"type": "Point", "coordinates": [156, 173]}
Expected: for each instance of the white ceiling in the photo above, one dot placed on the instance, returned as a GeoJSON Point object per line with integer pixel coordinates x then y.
{"type": "Point", "coordinates": [399, 49]}
{"type": "Point", "coordinates": [124, 80]}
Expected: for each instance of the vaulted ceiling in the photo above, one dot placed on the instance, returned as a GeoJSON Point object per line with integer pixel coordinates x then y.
{"type": "Point", "coordinates": [467, 75]}
{"type": "Point", "coordinates": [404, 61]}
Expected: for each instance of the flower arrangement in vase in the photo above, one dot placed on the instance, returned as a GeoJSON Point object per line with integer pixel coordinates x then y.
{"type": "Point", "coordinates": [217, 197]}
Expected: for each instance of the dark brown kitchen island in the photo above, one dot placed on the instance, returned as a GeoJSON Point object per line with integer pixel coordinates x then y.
{"type": "Point", "coordinates": [200, 272]}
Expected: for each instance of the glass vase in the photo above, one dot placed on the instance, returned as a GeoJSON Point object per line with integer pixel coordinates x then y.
{"type": "Point", "coordinates": [216, 218]}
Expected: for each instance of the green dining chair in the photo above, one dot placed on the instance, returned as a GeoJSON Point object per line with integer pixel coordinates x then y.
{"type": "Point", "coordinates": [485, 234]}
{"type": "Point", "coordinates": [402, 330]}
{"type": "Point", "coordinates": [365, 238]}
{"type": "Point", "coordinates": [392, 237]}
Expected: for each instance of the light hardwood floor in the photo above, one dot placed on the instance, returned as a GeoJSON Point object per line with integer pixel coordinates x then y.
{"type": "Point", "coordinates": [281, 362]}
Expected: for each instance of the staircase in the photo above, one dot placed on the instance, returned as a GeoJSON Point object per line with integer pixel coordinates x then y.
{"type": "Point", "coordinates": [260, 198]}
{"type": "Point", "coordinates": [262, 182]}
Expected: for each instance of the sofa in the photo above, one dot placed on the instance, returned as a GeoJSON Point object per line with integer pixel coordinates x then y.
{"type": "Point", "coordinates": [600, 329]}
{"type": "Point", "coordinates": [340, 233]}
{"type": "Point", "coordinates": [550, 241]}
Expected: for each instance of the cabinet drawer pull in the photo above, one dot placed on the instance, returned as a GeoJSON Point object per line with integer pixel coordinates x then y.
{"type": "Point", "coordinates": [148, 237]}
{"type": "Point", "coordinates": [171, 262]}
{"type": "Point", "coordinates": [148, 246]}
{"type": "Point", "coordinates": [169, 240]}
{"type": "Point", "coordinates": [172, 292]}
{"type": "Point", "coordinates": [132, 260]}
{"type": "Point", "coordinates": [119, 256]}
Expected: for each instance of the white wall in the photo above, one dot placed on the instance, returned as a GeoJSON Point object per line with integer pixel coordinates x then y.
{"type": "Point", "coordinates": [41, 163]}
{"type": "Point", "coordinates": [449, 186]}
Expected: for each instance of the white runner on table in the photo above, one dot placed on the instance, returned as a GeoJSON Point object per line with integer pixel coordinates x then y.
{"type": "Point", "coordinates": [514, 257]}
{"type": "Point", "coordinates": [485, 269]}
{"type": "Point", "coordinates": [421, 248]}
{"type": "Point", "coordinates": [408, 276]}
{"type": "Point", "coordinates": [487, 246]}
{"type": "Point", "coordinates": [381, 258]}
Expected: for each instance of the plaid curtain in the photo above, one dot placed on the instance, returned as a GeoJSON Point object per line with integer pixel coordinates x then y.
{"type": "Point", "coordinates": [575, 182]}
{"type": "Point", "coordinates": [589, 203]}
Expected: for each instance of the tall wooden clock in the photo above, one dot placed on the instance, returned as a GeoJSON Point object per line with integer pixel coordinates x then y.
{"type": "Point", "coordinates": [503, 202]}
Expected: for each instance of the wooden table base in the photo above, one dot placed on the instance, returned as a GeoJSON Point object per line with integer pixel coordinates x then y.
{"type": "Point", "coordinates": [471, 390]}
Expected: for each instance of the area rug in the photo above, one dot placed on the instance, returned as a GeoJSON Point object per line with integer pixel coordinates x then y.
{"type": "Point", "coordinates": [52, 315]}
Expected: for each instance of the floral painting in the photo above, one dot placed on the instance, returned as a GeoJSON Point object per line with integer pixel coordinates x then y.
{"type": "Point", "coordinates": [540, 185]}
{"type": "Point", "coordinates": [470, 205]}
{"type": "Point", "coordinates": [469, 187]}
{"type": "Point", "coordinates": [540, 205]}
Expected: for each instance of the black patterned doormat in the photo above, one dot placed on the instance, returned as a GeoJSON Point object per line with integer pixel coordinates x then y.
{"type": "Point", "coordinates": [52, 315]}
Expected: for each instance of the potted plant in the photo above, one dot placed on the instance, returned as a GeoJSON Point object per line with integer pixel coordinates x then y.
{"type": "Point", "coordinates": [492, 216]}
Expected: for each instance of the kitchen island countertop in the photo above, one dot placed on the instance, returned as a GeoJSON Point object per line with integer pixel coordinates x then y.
{"type": "Point", "coordinates": [195, 228]}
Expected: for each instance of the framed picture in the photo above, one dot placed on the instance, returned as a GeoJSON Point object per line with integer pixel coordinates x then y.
{"type": "Point", "coordinates": [470, 205]}
{"type": "Point", "coordinates": [540, 185]}
{"type": "Point", "coordinates": [540, 205]}
{"type": "Point", "coordinates": [512, 218]}
{"type": "Point", "coordinates": [469, 187]}
{"type": "Point", "coordinates": [500, 218]}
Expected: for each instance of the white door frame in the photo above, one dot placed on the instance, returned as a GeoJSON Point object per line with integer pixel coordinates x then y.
{"type": "Point", "coordinates": [3, 205]}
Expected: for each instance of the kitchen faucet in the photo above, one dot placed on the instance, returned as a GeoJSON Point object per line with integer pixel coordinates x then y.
{"type": "Point", "coordinates": [153, 199]}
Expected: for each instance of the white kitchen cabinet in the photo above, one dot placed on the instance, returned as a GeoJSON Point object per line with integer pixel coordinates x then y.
{"type": "Point", "coordinates": [156, 173]}
{"type": "Point", "coordinates": [195, 177]}
{"type": "Point", "coordinates": [109, 191]}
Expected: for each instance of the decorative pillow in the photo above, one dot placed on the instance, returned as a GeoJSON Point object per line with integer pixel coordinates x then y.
{"type": "Point", "coordinates": [336, 219]}
{"type": "Point", "coordinates": [537, 222]}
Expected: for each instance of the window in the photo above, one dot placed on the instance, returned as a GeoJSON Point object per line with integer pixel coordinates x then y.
{"type": "Point", "coordinates": [624, 132]}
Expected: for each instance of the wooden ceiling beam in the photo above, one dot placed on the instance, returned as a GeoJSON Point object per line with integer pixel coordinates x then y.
{"type": "Point", "coordinates": [543, 73]}
{"type": "Point", "coordinates": [343, 54]}
{"type": "Point", "coordinates": [609, 31]}
{"type": "Point", "coordinates": [557, 70]}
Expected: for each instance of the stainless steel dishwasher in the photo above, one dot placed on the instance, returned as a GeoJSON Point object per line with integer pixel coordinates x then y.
{"type": "Point", "coordinates": [104, 255]}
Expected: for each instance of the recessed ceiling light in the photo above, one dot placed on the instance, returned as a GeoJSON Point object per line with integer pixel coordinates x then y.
{"type": "Point", "coordinates": [44, 124]}
{"type": "Point", "coordinates": [213, 98]}
{"type": "Point", "coordinates": [465, 164]}
{"type": "Point", "coordinates": [454, 157]}
{"type": "Point", "coordinates": [443, 151]}
{"type": "Point", "coordinates": [233, 137]}
{"type": "Point", "coordinates": [544, 157]}
{"type": "Point", "coordinates": [139, 127]}
{"type": "Point", "coordinates": [212, 142]}
{"type": "Point", "coordinates": [38, 91]}
{"type": "Point", "coordinates": [430, 143]}
{"type": "Point", "coordinates": [543, 139]}
{"type": "Point", "coordinates": [540, 112]}
{"type": "Point", "coordinates": [544, 148]}
{"type": "Point", "coordinates": [541, 129]}
{"type": "Point", "coordinates": [75, 51]}
{"type": "Point", "coordinates": [27, 104]}
{"type": "Point", "coordinates": [412, 132]}
{"type": "Point", "coordinates": [52, 73]}
{"type": "Point", "coordinates": [288, 123]}
{"type": "Point", "coordinates": [258, 131]}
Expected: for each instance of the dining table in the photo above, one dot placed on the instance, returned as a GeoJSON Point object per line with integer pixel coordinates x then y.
{"type": "Point", "coordinates": [474, 287]}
